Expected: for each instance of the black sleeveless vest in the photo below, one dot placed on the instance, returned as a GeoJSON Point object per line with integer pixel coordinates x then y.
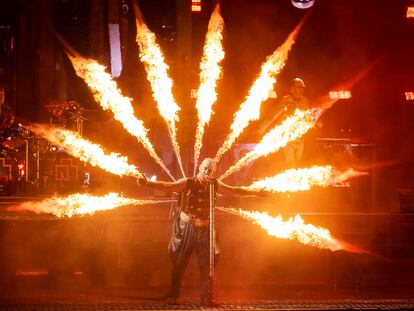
{"type": "Point", "coordinates": [196, 198]}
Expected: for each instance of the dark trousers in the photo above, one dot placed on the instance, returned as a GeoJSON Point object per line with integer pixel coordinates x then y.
{"type": "Point", "coordinates": [189, 238]}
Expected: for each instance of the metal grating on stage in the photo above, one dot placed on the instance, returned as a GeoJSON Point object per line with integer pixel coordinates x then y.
{"type": "Point", "coordinates": [381, 304]}
{"type": "Point", "coordinates": [293, 299]}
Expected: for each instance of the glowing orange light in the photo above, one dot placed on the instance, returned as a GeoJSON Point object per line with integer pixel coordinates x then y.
{"type": "Point", "coordinates": [410, 11]}
{"type": "Point", "coordinates": [210, 72]}
{"type": "Point", "coordinates": [409, 95]}
{"type": "Point", "coordinates": [259, 92]}
{"type": "Point", "coordinates": [303, 179]}
{"type": "Point", "coordinates": [340, 94]}
{"type": "Point", "coordinates": [151, 56]}
{"type": "Point", "coordinates": [32, 273]}
{"type": "Point", "coordinates": [79, 204]}
{"type": "Point", "coordinates": [88, 152]}
{"type": "Point", "coordinates": [292, 128]}
{"type": "Point", "coordinates": [107, 94]}
{"type": "Point", "coordinates": [294, 229]}
{"type": "Point", "coordinates": [196, 6]}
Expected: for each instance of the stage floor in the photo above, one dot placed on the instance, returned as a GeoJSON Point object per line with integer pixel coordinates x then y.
{"type": "Point", "coordinates": [112, 247]}
{"type": "Point", "coordinates": [279, 299]}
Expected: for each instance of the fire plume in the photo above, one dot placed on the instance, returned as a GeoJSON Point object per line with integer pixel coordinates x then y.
{"type": "Point", "coordinates": [295, 229]}
{"type": "Point", "coordinates": [151, 56]}
{"type": "Point", "coordinates": [209, 74]}
{"type": "Point", "coordinates": [107, 94]}
{"type": "Point", "coordinates": [88, 152]}
{"type": "Point", "coordinates": [78, 204]}
{"type": "Point", "coordinates": [259, 92]}
{"type": "Point", "coordinates": [303, 179]}
{"type": "Point", "coordinates": [292, 128]}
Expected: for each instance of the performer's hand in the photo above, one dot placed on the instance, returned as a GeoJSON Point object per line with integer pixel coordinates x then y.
{"type": "Point", "coordinates": [142, 181]}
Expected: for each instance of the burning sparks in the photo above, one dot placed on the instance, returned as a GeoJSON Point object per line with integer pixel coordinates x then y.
{"type": "Point", "coordinates": [289, 130]}
{"type": "Point", "coordinates": [88, 152]}
{"type": "Point", "coordinates": [79, 204]}
{"type": "Point", "coordinates": [259, 92]}
{"type": "Point", "coordinates": [106, 92]}
{"type": "Point", "coordinates": [294, 229]}
{"type": "Point", "coordinates": [151, 55]}
{"type": "Point", "coordinates": [209, 74]}
{"type": "Point", "coordinates": [304, 179]}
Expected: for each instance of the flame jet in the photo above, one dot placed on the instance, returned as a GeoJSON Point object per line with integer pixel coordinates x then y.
{"type": "Point", "coordinates": [304, 179]}
{"type": "Point", "coordinates": [151, 56]}
{"type": "Point", "coordinates": [78, 204]}
{"type": "Point", "coordinates": [106, 93]}
{"type": "Point", "coordinates": [292, 128]}
{"type": "Point", "coordinates": [259, 92]}
{"type": "Point", "coordinates": [210, 71]}
{"type": "Point", "coordinates": [88, 152]}
{"type": "Point", "coordinates": [295, 229]}
{"type": "Point", "coordinates": [295, 125]}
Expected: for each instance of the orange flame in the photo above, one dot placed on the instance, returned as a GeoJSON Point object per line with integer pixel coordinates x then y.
{"type": "Point", "coordinates": [78, 204]}
{"type": "Point", "coordinates": [151, 55]}
{"type": "Point", "coordinates": [292, 128]}
{"type": "Point", "coordinates": [259, 92]}
{"type": "Point", "coordinates": [295, 229]}
{"type": "Point", "coordinates": [106, 92]}
{"type": "Point", "coordinates": [304, 179]}
{"type": "Point", "coordinates": [88, 152]}
{"type": "Point", "coordinates": [209, 74]}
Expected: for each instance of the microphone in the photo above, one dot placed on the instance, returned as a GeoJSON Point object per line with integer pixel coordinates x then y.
{"type": "Point", "coordinates": [207, 172]}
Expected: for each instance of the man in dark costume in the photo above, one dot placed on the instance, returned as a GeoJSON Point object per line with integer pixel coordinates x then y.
{"type": "Point", "coordinates": [191, 224]}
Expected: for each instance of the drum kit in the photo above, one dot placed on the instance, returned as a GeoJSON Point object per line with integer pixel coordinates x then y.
{"type": "Point", "coordinates": [26, 158]}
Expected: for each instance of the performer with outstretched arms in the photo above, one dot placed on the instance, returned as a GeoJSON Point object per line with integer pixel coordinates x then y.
{"type": "Point", "coordinates": [191, 224]}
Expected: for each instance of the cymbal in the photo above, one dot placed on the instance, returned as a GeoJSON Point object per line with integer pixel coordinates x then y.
{"type": "Point", "coordinates": [63, 105]}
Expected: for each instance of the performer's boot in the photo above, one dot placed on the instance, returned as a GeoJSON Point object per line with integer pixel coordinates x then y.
{"type": "Point", "coordinates": [205, 287]}
{"type": "Point", "coordinates": [174, 293]}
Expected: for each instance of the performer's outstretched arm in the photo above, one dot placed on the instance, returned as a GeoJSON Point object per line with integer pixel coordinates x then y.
{"type": "Point", "coordinates": [227, 189]}
{"type": "Point", "coordinates": [175, 186]}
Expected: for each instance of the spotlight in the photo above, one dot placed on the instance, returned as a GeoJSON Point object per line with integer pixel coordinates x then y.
{"type": "Point", "coordinates": [409, 95]}
{"type": "Point", "coordinates": [303, 4]}
{"type": "Point", "coordinates": [340, 94]}
{"type": "Point", "coordinates": [196, 6]}
{"type": "Point", "coordinates": [410, 12]}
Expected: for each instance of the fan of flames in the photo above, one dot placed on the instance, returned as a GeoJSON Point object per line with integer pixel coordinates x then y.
{"type": "Point", "coordinates": [110, 98]}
